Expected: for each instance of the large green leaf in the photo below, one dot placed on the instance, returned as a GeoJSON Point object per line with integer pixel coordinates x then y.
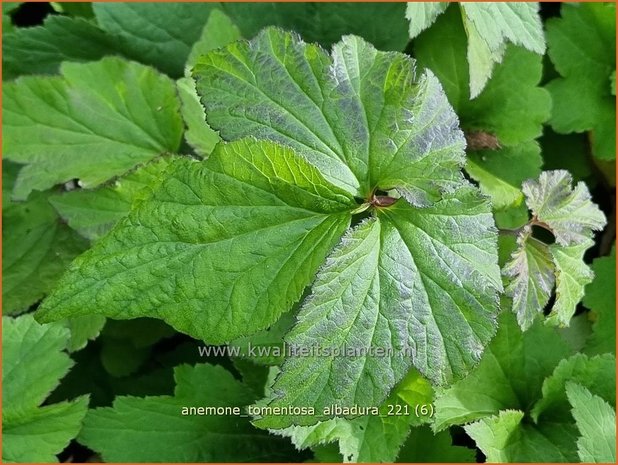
{"type": "Point", "coordinates": [415, 283]}
{"type": "Point", "coordinates": [582, 96]}
{"type": "Point", "coordinates": [596, 421]}
{"type": "Point", "coordinates": [33, 362]}
{"type": "Point", "coordinates": [244, 231]}
{"type": "Point", "coordinates": [360, 116]}
{"type": "Point", "coordinates": [123, 112]}
{"type": "Point", "coordinates": [154, 429]}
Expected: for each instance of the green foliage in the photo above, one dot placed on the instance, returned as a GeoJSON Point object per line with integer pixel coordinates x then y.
{"type": "Point", "coordinates": [33, 362]}
{"type": "Point", "coordinates": [488, 27]}
{"type": "Point", "coordinates": [294, 212]}
{"type": "Point", "coordinates": [93, 212]}
{"type": "Point", "coordinates": [503, 120]}
{"type": "Point", "coordinates": [42, 49]}
{"type": "Point", "coordinates": [596, 421]}
{"type": "Point", "coordinates": [582, 96]}
{"type": "Point", "coordinates": [600, 298]}
{"type": "Point", "coordinates": [165, 435]}
{"type": "Point", "coordinates": [52, 124]}
{"type": "Point", "coordinates": [37, 247]}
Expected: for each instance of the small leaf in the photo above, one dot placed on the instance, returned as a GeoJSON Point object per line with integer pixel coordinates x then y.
{"type": "Point", "coordinates": [572, 275]}
{"type": "Point", "coordinates": [596, 421]}
{"type": "Point", "coordinates": [154, 429]}
{"type": "Point", "coordinates": [254, 215]}
{"type": "Point", "coordinates": [489, 26]}
{"type": "Point", "coordinates": [422, 15]}
{"type": "Point", "coordinates": [33, 362]}
{"type": "Point", "coordinates": [124, 112]}
{"type": "Point", "coordinates": [532, 274]}
{"type": "Point", "coordinates": [569, 212]}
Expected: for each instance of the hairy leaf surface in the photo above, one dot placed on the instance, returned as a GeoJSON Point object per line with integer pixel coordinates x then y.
{"type": "Point", "coordinates": [532, 274]}
{"type": "Point", "coordinates": [360, 116]}
{"type": "Point", "coordinates": [254, 215]}
{"type": "Point", "coordinates": [417, 283]}
{"type": "Point", "coordinates": [569, 212]}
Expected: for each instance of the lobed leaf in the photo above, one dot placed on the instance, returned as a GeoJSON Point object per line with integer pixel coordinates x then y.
{"type": "Point", "coordinates": [382, 126]}
{"type": "Point", "coordinates": [569, 212]}
{"type": "Point", "coordinates": [418, 284]}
